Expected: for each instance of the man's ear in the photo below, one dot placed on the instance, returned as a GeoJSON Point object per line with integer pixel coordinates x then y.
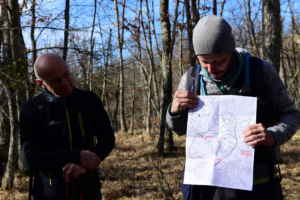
{"type": "Point", "coordinates": [39, 82]}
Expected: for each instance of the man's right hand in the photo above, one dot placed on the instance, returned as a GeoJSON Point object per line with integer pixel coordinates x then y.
{"type": "Point", "coordinates": [72, 171]}
{"type": "Point", "coordinates": [183, 100]}
{"type": "Point", "coordinates": [89, 160]}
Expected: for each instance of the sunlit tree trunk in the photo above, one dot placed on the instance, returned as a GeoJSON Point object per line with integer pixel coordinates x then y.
{"type": "Point", "coordinates": [166, 66]}
{"type": "Point", "coordinates": [11, 165]}
{"type": "Point", "coordinates": [15, 69]}
{"type": "Point", "coordinates": [222, 7]}
{"type": "Point", "coordinates": [92, 44]}
{"type": "Point", "coordinates": [133, 103]}
{"type": "Point", "coordinates": [189, 23]}
{"type": "Point", "coordinates": [290, 56]}
{"type": "Point", "coordinates": [120, 32]}
{"type": "Point", "coordinates": [156, 76]}
{"type": "Point", "coordinates": [31, 85]}
{"type": "Point", "coordinates": [32, 30]}
{"type": "Point", "coordinates": [5, 34]}
{"type": "Point", "coordinates": [107, 61]}
{"type": "Point", "coordinates": [181, 36]}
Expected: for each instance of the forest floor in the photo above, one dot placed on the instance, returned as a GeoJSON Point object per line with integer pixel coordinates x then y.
{"type": "Point", "coordinates": [133, 171]}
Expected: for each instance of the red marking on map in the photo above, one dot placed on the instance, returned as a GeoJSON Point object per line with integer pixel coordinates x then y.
{"type": "Point", "coordinates": [208, 137]}
{"type": "Point", "coordinates": [246, 153]}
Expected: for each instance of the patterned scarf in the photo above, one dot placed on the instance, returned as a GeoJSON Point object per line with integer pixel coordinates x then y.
{"type": "Point", "coordinates": [224, 85]}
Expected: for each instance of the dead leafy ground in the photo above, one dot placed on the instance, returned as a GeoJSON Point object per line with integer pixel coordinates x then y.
{"type": "Point", "coordinates": [135, 172]}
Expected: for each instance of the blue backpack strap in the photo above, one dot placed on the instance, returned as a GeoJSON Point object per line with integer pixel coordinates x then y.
{"type": "Point", "coordinates": [202, 84]}
{"type": "Point", "coordinates": [199, 85]}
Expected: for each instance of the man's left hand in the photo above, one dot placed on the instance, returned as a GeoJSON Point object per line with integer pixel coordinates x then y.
{"type": "Point", "coordinates": [256, 135]}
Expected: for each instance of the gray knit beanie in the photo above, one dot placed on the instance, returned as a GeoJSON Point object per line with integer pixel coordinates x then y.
{"type": "Point", "coordinates": [212, 35]}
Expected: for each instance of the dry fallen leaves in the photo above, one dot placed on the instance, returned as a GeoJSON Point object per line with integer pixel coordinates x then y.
{"type": "Point", "coordinates": [133, 171]}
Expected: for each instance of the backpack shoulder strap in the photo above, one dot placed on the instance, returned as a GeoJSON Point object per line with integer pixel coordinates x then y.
{"type": "Point", "coordinates": [198, 82]}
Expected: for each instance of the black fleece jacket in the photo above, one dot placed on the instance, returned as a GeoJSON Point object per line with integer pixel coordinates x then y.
{"type": "Point", "coordinates": [47, 140]}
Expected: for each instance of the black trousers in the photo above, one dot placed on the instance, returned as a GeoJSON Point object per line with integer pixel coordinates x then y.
{"type": "Point", "coordinates": [47, 187]}
{"type": "Point", "coordinates": [271, 190]}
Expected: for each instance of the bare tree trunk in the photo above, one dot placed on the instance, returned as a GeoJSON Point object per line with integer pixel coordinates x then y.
{"type": "Point", "coordinates": [215, 7]}
{"type": "Point", "coordinates": [31, 85]}
{"type": "Point", "coordinates": [181, 70]}
{"type": "Point", "coordinates": [295, 31]}
{"type": "Point", "coordinates": [285, 67]}
{"type": "Point", "coordinates": [107, 59]}
{"type": "Point", "coordinates": [117, 105]}
{"type": "Point", "coordinates": [148, 116]}
{"type": "Point", "coordinates": [175, 25]}
{"type": "Point", "coordinates": [189, 23]}
{"type": "Point", "coordinates": [195, 12]}
{"type": "Point", "coordinates": [120, 24]}
{"type": "Point", "coordinates": [92, 43]}
{"type": "Point", "coordinates": [272, 32]}
{"type": "Point", "coordinates": [171, 145]}
{"type": "Point", "coordinates": [222, 7]}
{"type": "Point", "coordinates": [16, 41]}
{"type": "Point", "coordinates": [104, 82]}
{"type": "Point", "coordinates": [290, 57]}
{"type": "Point", "coordinates": [156, 86]}
{"type": "Point", "coordinates": [166, 66]}
{"type": "Point", "coordinates": [140, 31]}
{"type": "Point", "coordinates": [66, 31]}
{"type": "Point", "coordinates": [19, 148]}
{"type": "Point", "coordinates": [149, 49]}
{"type": "Point", "coordinates": [132, 123]}
{"type": "Point", "coordinates": [32, 31]}
{"type": "Point", "coordinates": [5, 49]}
{"type": "Point", "coordinates": [173, 36]}
{"type": "Point", "coordinates": [155, 83]}
{"type": "Point", "coordinates": [8, 178]}
{"type": "Point", "coordinates": [251, 28]}
{"type": "Point", "coordinates": [154, 29]}
{"type": "Point", "coordinates": [4, 136]}
{"type": "Point", "coordinates": [16, 70]}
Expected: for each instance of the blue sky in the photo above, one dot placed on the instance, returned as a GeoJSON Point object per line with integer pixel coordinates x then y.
{"type": "Point", "coordinates": [82, 11]}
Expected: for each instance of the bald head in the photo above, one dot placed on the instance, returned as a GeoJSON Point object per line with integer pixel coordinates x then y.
{"type": "Point", "coordinates": [47, 63]}
{"type": "Point", "coordinates": [52, 73]}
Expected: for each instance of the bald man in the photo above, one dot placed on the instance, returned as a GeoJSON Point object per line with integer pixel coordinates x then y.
{"type": "Point", "coordinates": [65, 134]}
{"type": "Point", "coordinates": [53, 74]}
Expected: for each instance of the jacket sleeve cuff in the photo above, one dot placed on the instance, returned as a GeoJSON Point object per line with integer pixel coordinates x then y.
{"type": "Point", "coordinates": [280, 133]}
{"type": "Point", "coordinates": [174, 114]}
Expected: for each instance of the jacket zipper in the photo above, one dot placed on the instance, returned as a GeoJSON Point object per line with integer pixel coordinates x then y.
{"type": "Point", "coordinates": [50, 180]}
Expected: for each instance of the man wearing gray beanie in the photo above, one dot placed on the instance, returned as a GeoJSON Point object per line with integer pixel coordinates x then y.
{"type": "Point", "coordinates": [212, 35]}
{"type": "Point", "coordinates": [226, 70]}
